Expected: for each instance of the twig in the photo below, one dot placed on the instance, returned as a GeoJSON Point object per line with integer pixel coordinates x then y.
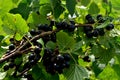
{"type": "Point", "coordinates": [18, 51]}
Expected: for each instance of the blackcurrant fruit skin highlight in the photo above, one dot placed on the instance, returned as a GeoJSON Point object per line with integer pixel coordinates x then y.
{"type": "Point", "coordinates": [11, 46]}
{"type": "Point", "coordinates": [109, 27]}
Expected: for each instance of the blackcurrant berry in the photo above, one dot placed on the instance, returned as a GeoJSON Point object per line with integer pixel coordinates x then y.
{"type": "Point", "coordinates": [62, 25]}
{"type": "Point", "coordinates": [6, 67]}
{"type": "Point", "coordinates": [109, 27]}
{"type": "Point", "coordinates": [60, 58]}
{"type": "Point", "coordinates": [31, 56]}
{"type": "Point", "coordinates": [11, 46]}
{"type": "Point", "coordinates": [11, 65]}
{"type": "Point", "coordinates": [56, 66]}
{"type": "Point", "coordinates": [37, 58]}
{"type": "Point", "coordinates": [71, 28]}
{"type": "Point", "coordinates": [100, 19]}
{"type": "Point", "coordinates": [33, 32]}
{"type": "Point", "coordinates": [95, 32]}
{"type": "Point", "coordinates": [26, 75]}
{"type": "Point", "coordinates": [89, 34]}
{"type": "Point", "coordinates": [67, 64]}
{"type": "Point", "coordinates": [52, 23]}
{"type": "Point", "coordinates": [91, 21]}
{"type": "Point", "coordinates": [66, 57]}
{"type": "Point", "coordinates": [88, 16]}
{"type": "Point", "coordinates": [87, 28]}
{"type": "Point", "coordinates": [53, 37]}
{"type": "Point", "coordinates": [37, 50]}
{"type": "Point", "coordinates": [47, 52]}
{"type": "Point", "coordinates": [32, 62]}
{"type": "Point", "coordinates": [72, 22]}
{"type": "Point", "coordinates": [86, 59]}
{"type": "Point", "coordinates": [11, 40]}
{"type": "Point", "coordinates": [37, 44]}
{"type": "Point", "coordinates": [44, 27]}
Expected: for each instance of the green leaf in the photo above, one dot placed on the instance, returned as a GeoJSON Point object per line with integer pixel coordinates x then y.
{"type": "Point", "coordinates": [1, 37]}
{"type": "Point", "coordinates": [103, 54]}
{"type": "Point", "coordinates": [51, 45]}
{"type": "Point", "coordinates": [65, 41]}
{"type": "Point", "coordinates": [45, 9]}
{"type": "Point", "coordinates": [108, 74]}
{"type": "Point", "coordinates": [5, 6]}
{"type": "Point", "coordinates": [103, 25]}
{"type": "Point", "coordinates": [36, 72]}
{"type": "Point", "coordinates": [115, 4]}
{"type": "Point", "coordinates": [85, 2]}
{"type": "Point", "coordinates": [93, 9]}
{"type": "Point", "coordinates": [96, 69]}
{"type": "Point", "coordinates": [75, 72]}
{"type": "Point", "coordinates": [2, 75]}
{"type": "Point", "coordinates": [116, 68]}
{"type": "Point", "coordinates": [15, 24]}
{"type": "Point", "coordinates": [56, 8]}
{"type": "Point", "coordinates": [70, 4]}
{"type": "Point", "coordinates": [22, 9]}
{"type": "Point", "coordinates": [44, 1]}
{"type": "Point", "coordinates": [77, 46]}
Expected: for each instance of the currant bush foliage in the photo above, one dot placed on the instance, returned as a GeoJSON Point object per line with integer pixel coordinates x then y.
{"type": "Point", "coordinates": [59, 39]}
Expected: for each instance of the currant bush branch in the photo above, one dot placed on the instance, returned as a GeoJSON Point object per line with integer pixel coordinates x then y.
{"type": "Point", "coordinates": [19, 49]}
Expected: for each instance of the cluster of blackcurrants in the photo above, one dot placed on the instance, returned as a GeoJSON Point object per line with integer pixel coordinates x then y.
{"type": "Point", "coordinates": [33, 58]}
{"type": "Point", "coordinates": [44, 28]}
{"type": "Point", "coordinates": [95, 32]}
{"type": "Point", "coordinates": [55, 62]}
{"type": "Point", "coordinates": [65, 26]}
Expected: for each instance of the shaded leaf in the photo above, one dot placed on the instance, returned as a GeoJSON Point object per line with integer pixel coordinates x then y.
{"type": "Point", "coordinates": [93, 9]}
{"type": "Point", "coordinates": [76, 72]}
{"type": "Point", "coordinates": [70, 4]}
{"type": "Point", "coordinates": [65, 41]}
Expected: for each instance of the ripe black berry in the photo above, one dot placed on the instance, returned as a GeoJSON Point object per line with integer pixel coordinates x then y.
{"type": "Point", "coordinates": [31, 56]}
{"type": "Point", "coordinates": [71, 28]}
{"type": "Point", "coordinates": [95, 33]}
{"type": "Point", "coordinates": [87, 28]}
{"type": "Point", "coordinates": [28, 76]}
{"type": "Point", "coordinates": [60, 58]}
{"type": "Point", "coordinates": [88, 16]}
{"type": "Point", "coordinates": [52, 23]}
{"type": "Point", "coordinates": [32, 62]}
{"type": "Point", "coordinates": [37, 58]}
{"type": "Point", "coordinates": [66, 57]}
{"type": "Point", "coordinates": [44, 27]}
{"type": "Point", "coordinates": [37, 50]}
{"type": "Point", "coordinates": [53, 37]}
{"type": "Point", "coordinates": [11, 47]}
{"type": "Point", "coordinates": [33, 32]}
{"type": "Point", "coordinates": [86, 58]}
{"type": "Point", "coordinates": [100, 19]}
{"type": "Point", "coordinates": [6, 67]}
{"type": "Point", "coordinates": [11, 65]}
{"type": "Point", "coordinates": [72, 22]}
{"type": "Point", "coordinates": [91, 21]}
{"type": "Point", "coordinates": [110, 27]}
{"type": "Point", "coordinates": [56, 66]}
{"type": "Point", "coordinates": [62, 25]}
{"type": "Point", "coordinates": [89, 34]}
{"type": "Point", "coordinates": [67, 64]}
